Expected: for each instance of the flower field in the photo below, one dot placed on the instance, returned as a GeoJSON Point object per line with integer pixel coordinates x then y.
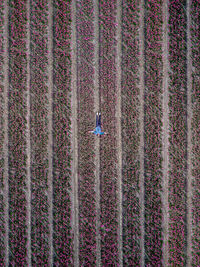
{"type": "Point", "coordinates": [129, 197]}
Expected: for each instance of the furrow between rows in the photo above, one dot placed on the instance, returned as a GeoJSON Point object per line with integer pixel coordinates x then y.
{"type": "Point", "coordinates": [74, 140]}
{"type": "Point", "coordinates": [165, 137]}
{"type": "Point", "coordinates": [4, 178]}
{"type": "Point", "coordinates": [28, 140]}
{"type": "Point", "coordinates": [119, 126]}
{"type": "Point", "coordinates": [97, 141]}
{"type": "Point", "coordinates": [189, 140]}
{"type": "Point", "coordinates": [141, 129]}
{"type": "Point", "coordinates": [50, 128]}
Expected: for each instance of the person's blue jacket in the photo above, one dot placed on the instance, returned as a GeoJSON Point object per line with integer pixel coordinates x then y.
{"type": "Point", "coordinates": [98, 130]}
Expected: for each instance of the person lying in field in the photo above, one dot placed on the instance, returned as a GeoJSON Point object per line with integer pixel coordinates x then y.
{"type": "Point", "coordinates": [97, 130]}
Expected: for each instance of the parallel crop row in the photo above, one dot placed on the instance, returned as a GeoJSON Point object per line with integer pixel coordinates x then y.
{"type": "Point", "coordinates": [178, 132]}
{"type": "Point", "coordinates": [39, 133]}
{"type": "Point", "coordinates": [17, 134]}
{"type": "Point", "coordinates": [153, 132]}
{"type": "Point", "coordinates": [86, 167]}
{"type": "Point", "coordinates": [108, 149]}
{"type": "Point", "coordinates": [195, 39]}
{"type": "Point", "coordinates": [130, 134]}
{"type": "Point", "coordinates": [63, 235]}
{"type": "Point", "coordinates": [2, 140]}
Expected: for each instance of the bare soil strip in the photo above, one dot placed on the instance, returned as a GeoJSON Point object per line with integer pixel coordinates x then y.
{"type": "Point", "coordinates": [74, 137]}
{"type": "Point", "coordinates": [141, 119]}
{"type": "Point", "coordinates": [50, 130]}
{"type": "Point", "coordinates": [28, 140]}
{"type": "Point", "coordinates": [97, 140]}
{"type": "Point", "coordinates": [165, 136]}
{"type": "Point", "coordinates": [5, 127]}
{"type": "Point", "coordinates": [119, 137]}
{"type": "Point", "coordinates": [189, 138]}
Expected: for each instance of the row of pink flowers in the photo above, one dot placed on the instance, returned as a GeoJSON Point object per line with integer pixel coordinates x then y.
{"type": "Point", "coordinates": [17, 137]}
{"type": "Point", "coordinates": [108, 156]}
{"type": "Point", "coordinates": [63, 235]}
{"type": "Point", "coordinates": [40, 245]}
{"type": "Point", "coordinates": [130, 134]}
{"type": "Point", "coordinates": [178, 132]}
{"type": "Point", "coordinates": [152, 133]}
{"type": "Point", "coordinates": [86, 167]}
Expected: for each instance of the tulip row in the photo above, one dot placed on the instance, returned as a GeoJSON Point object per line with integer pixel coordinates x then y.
{"type": "Point", "coordinates": [39, 134]}
{"type": "Point", "coordinates": [17, 136]}
{"type": "Point", "coordinates": [62, 176]}
{"type": "Point", "coordinates": [108, 145]}
{"type": "Point", "coordinates": [86, 141]}
{"type": "Point", "coordinates": [178, 132]}
{"type": "Point", "coordinates": [130, 94]}
{"type": "Point", "coordinates": [153, 133]}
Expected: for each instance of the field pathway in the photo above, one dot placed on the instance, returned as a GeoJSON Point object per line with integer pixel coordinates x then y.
{"type": "Point", "coordinates": [165, 135]}
{"type": "Point", "coordinates": [4, 142]}
{"type": "Point", "coordinates": [74, 137]}
{"type": "Point", "coordinates": [119, 131]}
{"type": "Point", "coordinates": [189, 138]}
{"type": "Point", "coordinates": [97, 140]}
{"type": "Point", "coordinates": [50, 129]}
{"type": "Point", "coordinates": [141, 119]}
{"type": "Point", "coordinates": [28, 138]}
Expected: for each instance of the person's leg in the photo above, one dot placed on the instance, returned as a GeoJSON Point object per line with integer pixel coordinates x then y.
{"type": "Point", "coordinates": [97, 119]}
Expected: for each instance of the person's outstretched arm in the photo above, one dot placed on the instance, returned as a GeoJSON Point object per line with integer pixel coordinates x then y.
{"type": "Point", "coordinates": [102, 133]}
